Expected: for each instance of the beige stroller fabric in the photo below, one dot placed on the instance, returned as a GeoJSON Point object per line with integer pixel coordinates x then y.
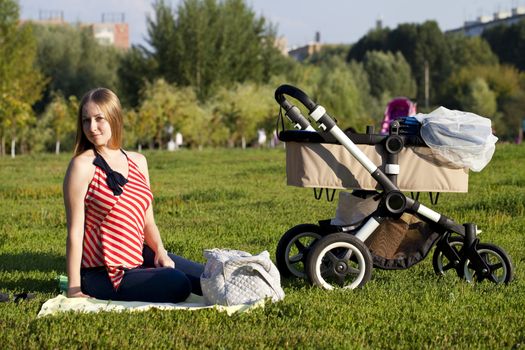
{"type": "Point", "coordinates": [325, 165]}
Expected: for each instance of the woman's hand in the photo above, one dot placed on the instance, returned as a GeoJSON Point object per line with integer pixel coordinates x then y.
{"type": "Point", "coordinates": [76, 292]}
{"type": "Point", "coordinates": [162, 259]}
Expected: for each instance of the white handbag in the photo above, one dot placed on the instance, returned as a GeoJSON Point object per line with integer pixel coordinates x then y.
{"type": "Point", "coordinates": [233, 277]}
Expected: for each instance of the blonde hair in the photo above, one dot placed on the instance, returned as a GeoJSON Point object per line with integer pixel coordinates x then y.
{"type": "Point", "coordinates": [109, 104]}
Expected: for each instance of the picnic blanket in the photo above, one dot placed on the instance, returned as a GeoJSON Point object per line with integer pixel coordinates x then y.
{"type": "Point", "coordinates": [61, 303]}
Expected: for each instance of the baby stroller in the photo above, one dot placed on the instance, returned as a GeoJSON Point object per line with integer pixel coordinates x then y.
{"type": "Point", "coordinates": [376, 225]}
{"type": "Point", "coordinates": [398, 107]}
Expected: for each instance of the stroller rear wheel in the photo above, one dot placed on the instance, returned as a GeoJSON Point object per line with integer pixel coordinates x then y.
{"type": "Point", "coordinates": [293, 248]}
{"type": "Point", "coordinates": [339, 260]}
{"type": "Point", "coordinates": [500, 269]}
{"type": "Point", "coordinates": [447, 256]}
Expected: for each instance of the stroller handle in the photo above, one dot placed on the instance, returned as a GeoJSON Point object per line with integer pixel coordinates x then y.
{"type": "Point", "coordinates": [317, 112]}
{"type": "Point", "coordinates": [292, 112]}
{"type": "Point", "coordinates": [295, 93]}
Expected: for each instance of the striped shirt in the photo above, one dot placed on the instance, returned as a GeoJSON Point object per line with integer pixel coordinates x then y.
{"type": "Point", "coordinates": [114, 225]}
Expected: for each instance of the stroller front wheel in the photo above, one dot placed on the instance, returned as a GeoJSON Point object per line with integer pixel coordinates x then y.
{"type": "Point", "coordinates": [339, 260]}
{"type": "Point", "coordinates": [447, 256]}
{"type": "Point", "coordinates": [500, 269]}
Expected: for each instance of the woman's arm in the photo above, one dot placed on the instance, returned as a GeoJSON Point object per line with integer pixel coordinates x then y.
{"type": "Point", "coordinates": [151, 231]}
{"type": "Point", "coordinates": [154, 241]}
{"type": "Point", "coordinates": [75, 187]}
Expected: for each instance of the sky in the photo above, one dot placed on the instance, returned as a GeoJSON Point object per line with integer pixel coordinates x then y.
{"type": "Point", "coordinates": [337, 21]}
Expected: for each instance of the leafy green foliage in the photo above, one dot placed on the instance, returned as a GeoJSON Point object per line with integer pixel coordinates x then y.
{"type": "Point", "coordinates": [374, 40]}
{"type": "Point", "coordinates": [470, 51]}
{"type": "Point", "coordinates": [431, 50]}
{"type": "Point", "coordinates": [220, 62]}
{"type": "Point", "coordinates": [389, 74]}
{"type": "Point", "coordinates": [74, 61]}
{"type": "Point", "coordinates": [243, 109]}
{"type": "Point", "coordinates": [136, 68]}
{"type": "Point", "coordinates": [21, 83]}
{"type": "Point", "coordinates": [232, 116]}
{"type": "Point", "coordinates": [343, 94]}
{"type": "Point", "coordinates": [423, 46]}
{"type": "Point", "coordinates": [167, 109]}
{"type": "Point", "coordinates": [479, 98]}
{"type": "Point", "coordinates": [198, 206]}
{"type": "Point", "coordinates": [508, 43]}
{"type": "Point", "coordinates": [208, 44]}
{"type": "Point", "coordinates": [503, 87]}
{"type": "Point", "coordinates": [60, 118]}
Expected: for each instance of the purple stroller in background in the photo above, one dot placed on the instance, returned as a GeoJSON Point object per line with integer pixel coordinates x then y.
{"type": "Point", "coordinates": [398, 107]}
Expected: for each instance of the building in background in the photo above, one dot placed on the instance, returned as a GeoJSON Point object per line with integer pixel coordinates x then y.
{"type": "Point", "coordinates": [111, 31]}
{"type": "Point", "coordinates": [476, 27]}
{"type": "Point", "coordinates": [303, 52]}
{"type": "Point", "coordinates": [282, 45]}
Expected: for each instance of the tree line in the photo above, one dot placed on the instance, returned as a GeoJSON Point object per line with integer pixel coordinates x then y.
{"type": "Point", "coordinates": [210, 68]}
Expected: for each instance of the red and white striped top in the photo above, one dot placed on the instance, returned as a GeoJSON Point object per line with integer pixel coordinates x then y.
{"type": "Point", "coordinates": [114, 225]}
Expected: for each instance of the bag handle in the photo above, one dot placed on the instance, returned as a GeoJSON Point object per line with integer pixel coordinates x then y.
{"type": "Point", "coordinates": [261, 263]}
{"type": "Point", "coordinates": [262, 259]}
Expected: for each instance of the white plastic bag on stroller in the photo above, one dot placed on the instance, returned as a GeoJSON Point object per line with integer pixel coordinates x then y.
{"type": "Point", "coordinates": [465, 139]}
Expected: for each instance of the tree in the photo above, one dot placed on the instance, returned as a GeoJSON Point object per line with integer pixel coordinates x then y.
{"type": "Point", "coordinates": [389, 74]}
{"type": "Point", "coordinates": [73, 61]}
{"type": "Point", "coordinates": [243, 110]}
{"type": "Point", "coordinates": [20, 83]}
{"type": "Point", "coordinates": [470, 51]}
{"type": "Point", "coordinates": [479, 99]}
{"type": "Point", "coordinates": [343, 93]}
{"type": "Point", "coordinates": [158, 107]}
{"type": "Point", "coordinates": [374, 40]}
{"type": "Point", "coordinates": [502, 79]}
{"type": "Point", "coordinates": [342, 88]}
{"type": "Point", "coordinates": [431, 54]}
{"type": "Point", "coordinates": [165, 109]}
{"type": "Point", "coordinates": [136, 132]}
{"type": "Point", "coordinates": [207, 44]}
{"type": "Point", "coordinates": [199, 126]}
{"type": "Point", "coordinates": [161, 38]}
{"type": "Point", "coordinates": [135, 69]}
{"type": "Point", "coordinates": [508, 43]}
{"type": "Point", "coordinates": [424, 47]}
{"type": "Point", "coordinates": [504, 82]}
{"type": "Point", "coordinates": [60, 117]}
{"type": "Point", "coordinates": [514, 112]}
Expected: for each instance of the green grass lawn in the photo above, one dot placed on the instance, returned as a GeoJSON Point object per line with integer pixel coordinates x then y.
{"type": "Point", "coordinates": [239, 199]}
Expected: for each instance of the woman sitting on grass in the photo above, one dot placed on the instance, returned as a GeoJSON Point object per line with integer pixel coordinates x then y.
{"type": "Point", "coordinates": [114, 249]}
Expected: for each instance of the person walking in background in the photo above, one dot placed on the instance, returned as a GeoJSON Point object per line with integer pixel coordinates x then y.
{"type": "Point", "coordinates": [521, 132]}
{"type": "Point", "coordinates": [114, 248]}
{"type": "Point", "coordinates": [261, 138]}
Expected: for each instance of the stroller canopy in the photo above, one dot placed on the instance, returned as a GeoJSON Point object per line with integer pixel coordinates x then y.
{"type": "Point", "coordinates": [397, 108]}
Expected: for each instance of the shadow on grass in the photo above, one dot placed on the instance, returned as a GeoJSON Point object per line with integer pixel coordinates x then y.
{"type": "Point", "coordinates": [43, 262]}
{"type": "Point", "coordinates": [21, 268]}
{"type": "Point", "coordinates": [30, 285]}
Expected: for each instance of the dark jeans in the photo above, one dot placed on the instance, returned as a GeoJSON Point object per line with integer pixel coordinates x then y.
{"type": "Point", "coordinates": [147, 282]}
